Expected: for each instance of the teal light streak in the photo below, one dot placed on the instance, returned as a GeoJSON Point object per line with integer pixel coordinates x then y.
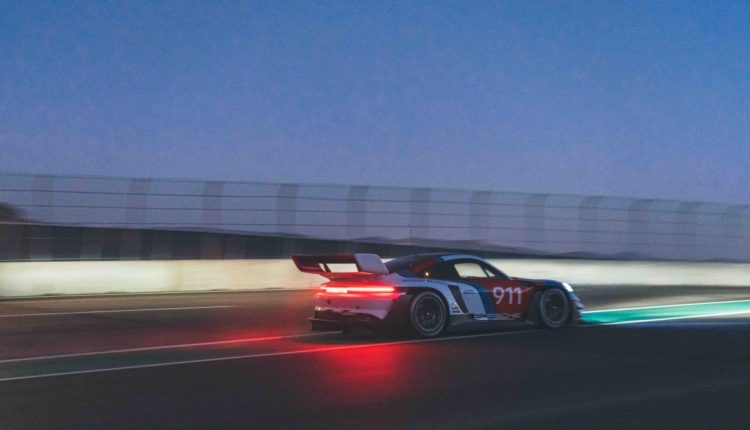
{"type": "Point", "coordinates": [621, 316]}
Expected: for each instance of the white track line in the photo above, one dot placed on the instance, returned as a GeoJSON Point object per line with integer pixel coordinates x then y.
{"type": "Point", "coordinates": [114, 311]}
{"type": "Point", "coordinates": [161, 347]}
{"type": "Point", "coordinates": [262, 355]}
{"type": "Point", "coordinates": [663, 306]}
{"type": "Point", "coordinates": [151, 293]}
{"type": "Point", "coordinates": [683, 317]}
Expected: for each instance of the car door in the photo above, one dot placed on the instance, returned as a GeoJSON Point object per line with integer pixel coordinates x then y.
{"type": "Point", "coordinates": [471, 298]}
{"type": "Point", "coordinates": [506, 298]}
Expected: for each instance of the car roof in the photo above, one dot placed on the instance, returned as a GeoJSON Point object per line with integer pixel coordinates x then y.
{"type": "Point", "coordinates": [404, 262]}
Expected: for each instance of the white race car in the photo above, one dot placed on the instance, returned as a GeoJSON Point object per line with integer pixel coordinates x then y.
{"type": "Point", "coordinates": [431, 293]}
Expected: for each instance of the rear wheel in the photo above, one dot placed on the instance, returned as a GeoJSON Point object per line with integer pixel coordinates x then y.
{"type": "Point", "coordinates": [428, 314]}
{"type": "Point", "coordinates": [554, 308]}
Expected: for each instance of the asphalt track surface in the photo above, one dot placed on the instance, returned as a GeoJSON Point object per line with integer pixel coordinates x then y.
{"type": "Point", "coordinates": [248, 360]}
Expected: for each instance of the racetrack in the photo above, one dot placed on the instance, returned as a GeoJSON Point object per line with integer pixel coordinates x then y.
{"type": "Point", "coordinates": [247, 360]}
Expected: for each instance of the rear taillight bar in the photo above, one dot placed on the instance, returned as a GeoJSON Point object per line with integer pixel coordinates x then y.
{"type": "Point", "coordinates": [358, 289]}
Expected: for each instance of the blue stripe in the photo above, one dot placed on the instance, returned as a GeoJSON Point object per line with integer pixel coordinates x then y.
{"type": "Point", "coordinates": [489, 307]}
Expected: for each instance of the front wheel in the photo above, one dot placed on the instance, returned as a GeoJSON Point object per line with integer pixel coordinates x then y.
{"type": "Point", "coordinates": [554, 308]}
{"type": "Point", "coordinates": [428, 314]}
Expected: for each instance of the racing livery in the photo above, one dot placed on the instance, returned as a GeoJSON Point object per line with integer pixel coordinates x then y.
{"type": "Point", "coordinates": [432, 294]}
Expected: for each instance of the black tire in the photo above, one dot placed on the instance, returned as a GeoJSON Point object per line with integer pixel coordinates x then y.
{"type": "Point", "coordinates": [428, 314]}
{"type": "Point", "coordinates": [553, 308]}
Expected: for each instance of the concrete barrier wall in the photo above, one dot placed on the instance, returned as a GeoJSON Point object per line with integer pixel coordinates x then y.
{"type": "Point", "coordinates": [597, 272]}
{"type": "Point", "coordinates": [104, 277]}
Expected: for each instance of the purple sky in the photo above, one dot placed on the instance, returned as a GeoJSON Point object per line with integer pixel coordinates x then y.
{"type": "Point", "coordinates": [615, 98]}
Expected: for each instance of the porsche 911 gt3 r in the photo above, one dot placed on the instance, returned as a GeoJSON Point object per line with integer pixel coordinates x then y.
{"type": "Point", "coordinates": [432, 293]}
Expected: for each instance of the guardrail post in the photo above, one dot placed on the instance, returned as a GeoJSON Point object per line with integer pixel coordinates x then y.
{"type": "Point", "coordinates": [479, 215]}
{"type": "Point", "coordinates": [638, 225]}
{"type": "Point", "coordinates": [419, 215]}
{"type": "Point", "coordinates": [535, 221]}
{"type": "Point", "coordinates": [212, 201]}
{"type": "Point", "coordinates": [211, 217]}
{"type": "Point", "coordinates": [135, 218]}
{"type": "Point", "coordinates": [42, 187]}
{"type": "Point", "coordinates": [356, 215]}
{"type": "Point", "coordinates": [686, 228]}
{"type": "Point", "coordinates": [588, 224]}
{"type": "Point", "coordinates": [137, 202]}
{"type": "Point", "coordinates": [42, 200]}
{"type": "Point", "coordinates": [734, 226]}
{"type": "Point", "coordinates": [286, 215]}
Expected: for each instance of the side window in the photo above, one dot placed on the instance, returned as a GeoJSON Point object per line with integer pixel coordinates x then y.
{"type": "Point", "coordinates": [471, 270]}
{"type": "Point", "coordinates": [492, 272]}
{"type": "Point", "coordinates": [439, 271]}
{"type": "Point", "coordinates": [456, 270]}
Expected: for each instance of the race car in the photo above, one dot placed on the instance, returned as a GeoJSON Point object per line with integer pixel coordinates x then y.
{"type": "Point", "coordinates": [432, 294]}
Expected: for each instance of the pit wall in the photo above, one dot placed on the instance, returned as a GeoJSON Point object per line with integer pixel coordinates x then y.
{"type": "Point", "coordinates": [108, 277]}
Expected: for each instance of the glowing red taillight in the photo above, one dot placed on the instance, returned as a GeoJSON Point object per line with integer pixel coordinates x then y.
{"type": "Point", "coordinates": [358, 289]}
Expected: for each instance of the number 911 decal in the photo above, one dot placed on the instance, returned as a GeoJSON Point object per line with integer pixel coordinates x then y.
{"type": "Point", "coordinates": [512, 293]}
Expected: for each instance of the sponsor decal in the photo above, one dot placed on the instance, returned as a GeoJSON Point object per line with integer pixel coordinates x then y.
{"type": "Point", "coordinates": [498, 317]}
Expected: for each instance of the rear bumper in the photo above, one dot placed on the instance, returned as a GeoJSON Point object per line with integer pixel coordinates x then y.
{"type": "Point", "coordinates": [350, 305]}
{"type": "Point", "coordinates": [334, 321]}
{"type": "Point", "coordinates": [376, 313]}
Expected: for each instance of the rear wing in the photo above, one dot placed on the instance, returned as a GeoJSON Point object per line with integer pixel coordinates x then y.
{"type": "Point", "coordinates": [341, 265]}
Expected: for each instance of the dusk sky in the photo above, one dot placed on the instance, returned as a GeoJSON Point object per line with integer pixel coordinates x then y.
{"type": "Point", "coordinates": [644, 99]}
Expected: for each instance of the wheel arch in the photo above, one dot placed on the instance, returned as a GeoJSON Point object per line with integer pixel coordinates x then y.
{"type": "Point", "coordinates": [542, 286]}
{"type": "Point", "coordinates": [399, 315]}
{"type": "Point", "coordinates": [534, 307]}
{"type": "Point", "coordinates": [413, 293]}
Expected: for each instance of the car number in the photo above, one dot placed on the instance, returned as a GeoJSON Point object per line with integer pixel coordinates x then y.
{"type": "Point", "coordinates": [511, 292]}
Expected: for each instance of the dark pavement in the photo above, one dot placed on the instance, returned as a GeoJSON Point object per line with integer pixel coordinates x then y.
{"type": "Point", "coordinates": [247, 360]}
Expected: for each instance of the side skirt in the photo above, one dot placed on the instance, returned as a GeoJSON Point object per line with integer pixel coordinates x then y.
{"type": "Point", "coordinates": [458, 323]}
